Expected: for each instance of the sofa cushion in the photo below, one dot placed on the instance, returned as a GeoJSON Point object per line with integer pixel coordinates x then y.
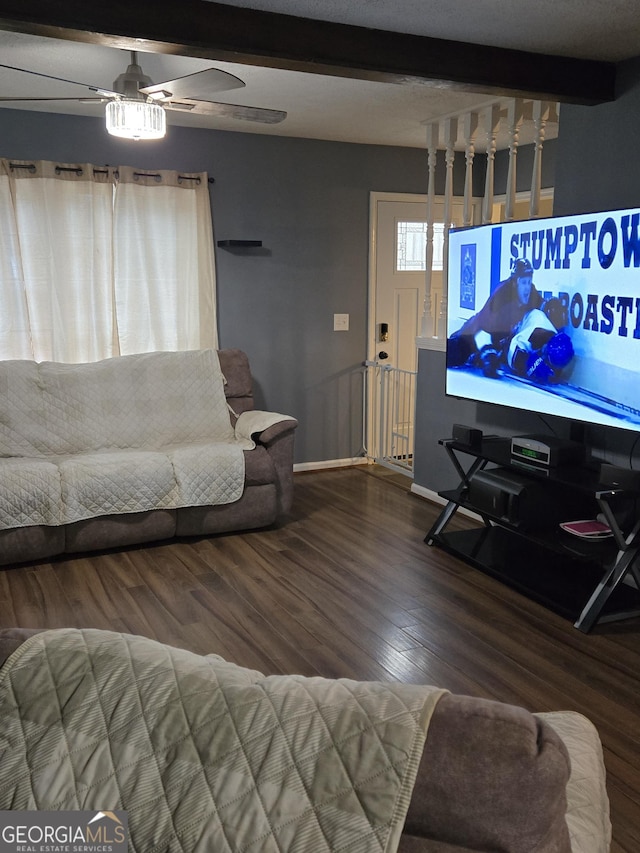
{"type": "Point", "coordinates": [258, 507]}
{"type": "Point", "coordinates": [238, 384]}
{"type": "Point", "coordinates": [207, 473]}
{"type": "Point", "coordinates": [30, 492]}
{"type": "Point", "coordinates": [121, 481]}
{"type": "Point", "coordinates": [116, 531]}
{"type": "Point", "coordinates": [20, 544]}
{"type": "Point", "coordinates": [115, 482]}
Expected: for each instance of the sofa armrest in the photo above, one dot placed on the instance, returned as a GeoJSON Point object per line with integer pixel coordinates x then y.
{"type": "Point", "coordinates": [276, 433]}
{"type": "Point", "coordinates": [588, 815]}
{"type": "Point", "coordinates": [258, 426]}
{"type": "Point", "coordinates": [268, 436]}
{"type": "Point", "coordinates": [492, 777]}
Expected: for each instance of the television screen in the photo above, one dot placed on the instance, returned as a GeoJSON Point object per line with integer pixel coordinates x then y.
{"type": "Point", "coordinates": [544, 315]}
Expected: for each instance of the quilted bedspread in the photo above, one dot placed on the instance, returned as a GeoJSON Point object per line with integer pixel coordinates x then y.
{"type": "Point", "coordinates": [128, 434]}
{"type": "Point", "coordinates": [205, 755]}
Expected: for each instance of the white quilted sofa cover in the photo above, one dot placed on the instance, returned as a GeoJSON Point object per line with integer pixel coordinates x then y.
{"type": "Point", "coordinates": [587, 801]}
{"type": "Point", "coordinates": [122, 435]}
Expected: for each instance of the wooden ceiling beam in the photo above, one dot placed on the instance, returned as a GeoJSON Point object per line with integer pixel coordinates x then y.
{"type": "Point", "coordinates": [233, 34]}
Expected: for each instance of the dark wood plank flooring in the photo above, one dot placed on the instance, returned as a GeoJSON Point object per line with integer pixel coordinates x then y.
{"type": "Point", "coordinates": [347, 588]}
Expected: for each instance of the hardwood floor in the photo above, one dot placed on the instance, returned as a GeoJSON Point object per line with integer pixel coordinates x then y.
{"type": "Point", "coordinates": [347, 587]}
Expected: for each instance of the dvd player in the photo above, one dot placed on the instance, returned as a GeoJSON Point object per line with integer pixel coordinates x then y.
{"type": "Point", "coordinates": [547, 450]}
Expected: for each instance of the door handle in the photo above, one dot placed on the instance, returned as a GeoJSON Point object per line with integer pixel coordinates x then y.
{"type": "Point", "coordinates": [382, 355]}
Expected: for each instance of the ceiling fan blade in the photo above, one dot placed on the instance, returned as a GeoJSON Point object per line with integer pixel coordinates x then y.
{"type": "Point", "coordinates": [106, 92]}
{"type": "Point", "coordinates": [196, 86]}
{"type": "Point", "coordinates": [237, 111]}
{"type": "Point", "coordinates": [85, 100]}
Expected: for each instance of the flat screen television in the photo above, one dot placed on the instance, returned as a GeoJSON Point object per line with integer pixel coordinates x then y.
{"type": "Point", "coordinates": [544, 315]}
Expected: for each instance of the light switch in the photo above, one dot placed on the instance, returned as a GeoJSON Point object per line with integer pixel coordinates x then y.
{"type": "Point", "coordinates": [340, 322]}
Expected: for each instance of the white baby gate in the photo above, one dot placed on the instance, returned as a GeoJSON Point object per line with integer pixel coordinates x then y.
{"type": "Point", "coordinates": [390, 395]}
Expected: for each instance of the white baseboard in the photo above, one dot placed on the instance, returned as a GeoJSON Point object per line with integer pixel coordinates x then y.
{"type": "Point", "coordinates": [427, 493]}
{"type": "Point", "coordinates": [330, 463]}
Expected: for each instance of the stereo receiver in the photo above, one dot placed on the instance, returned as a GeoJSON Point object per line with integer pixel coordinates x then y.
{"type": "Point", "coordinates": [547, 450]}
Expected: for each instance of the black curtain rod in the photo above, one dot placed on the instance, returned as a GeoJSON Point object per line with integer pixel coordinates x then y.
{"type": "Point", "coordinates": [78, 170]}
{"type": "Point", "coordinates": [158, 176]}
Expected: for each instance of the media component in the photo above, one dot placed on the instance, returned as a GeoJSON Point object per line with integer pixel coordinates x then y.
{"type": "Point", "coordinates": [547, 450]}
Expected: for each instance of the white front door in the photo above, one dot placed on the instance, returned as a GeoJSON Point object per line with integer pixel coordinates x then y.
{"type": "Point", "coordinates": [398, 286]}
{"type": "Point", "coordinates": [398, 274]}
{"type": "Point", "coordinates": [397, 264]}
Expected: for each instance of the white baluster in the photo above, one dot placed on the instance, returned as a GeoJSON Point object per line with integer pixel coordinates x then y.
{"type": "Point", "coordinates": [426, 327]}
{"type": "Point", "coordinates": [470, 127]}
{"type": "Point", "coordinates": [541, 112]}
{"type": "Point", "coordinates": [515, 115]}
{"type": "Point", "coordinates": [492, 126]}
{"type": "Point", "coordinates": [450, 137]}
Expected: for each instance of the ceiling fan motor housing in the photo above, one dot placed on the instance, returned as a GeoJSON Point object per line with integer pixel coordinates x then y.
{"type": "Point", "coordinates": [131, 81]}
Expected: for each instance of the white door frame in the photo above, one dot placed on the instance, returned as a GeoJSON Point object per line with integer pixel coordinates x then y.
{"type": "Point", "coordinates": [374, 198]}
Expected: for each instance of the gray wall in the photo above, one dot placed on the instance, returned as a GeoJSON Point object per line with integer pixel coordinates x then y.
{"type": "Point", "coordinates": [308, 201]}
{"type": "Point", "coordinates": [596, 168]}
{"type": "Point", "coordinates": [597, 160]}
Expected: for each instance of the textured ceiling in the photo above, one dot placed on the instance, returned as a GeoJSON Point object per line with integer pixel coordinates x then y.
{"type": "Point", "coordinates": [586, 29]}
{"type": "Point", "coordinates": [339, 108]}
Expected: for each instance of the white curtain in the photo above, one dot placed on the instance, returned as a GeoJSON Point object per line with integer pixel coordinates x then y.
{"type": "Point", "coordinates": [98, 262]}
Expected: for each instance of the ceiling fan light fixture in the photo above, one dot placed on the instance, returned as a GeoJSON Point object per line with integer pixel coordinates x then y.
{"type": "Point", "coordinates": [136, 119]}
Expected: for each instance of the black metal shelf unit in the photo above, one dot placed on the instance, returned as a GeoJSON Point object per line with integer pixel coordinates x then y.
{"type": "Point", "coordinates": [580, 579]}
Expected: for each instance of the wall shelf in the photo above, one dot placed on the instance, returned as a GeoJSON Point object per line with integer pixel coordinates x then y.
{"type": "Point", "coordinates": [240, 244]}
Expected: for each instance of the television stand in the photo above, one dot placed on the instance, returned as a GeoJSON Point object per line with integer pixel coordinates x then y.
{"type": "Point", "coordinates": [580, 579]}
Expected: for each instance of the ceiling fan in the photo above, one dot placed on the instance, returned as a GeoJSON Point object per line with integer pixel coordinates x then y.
{"type": "Point", "coordinates": [136, 106]}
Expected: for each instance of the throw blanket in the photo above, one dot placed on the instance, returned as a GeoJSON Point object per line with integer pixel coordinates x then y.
{"type": "Point", "coordinates": [129, 434]}
{"type": "Point", "coordinates": [205, 756]}
{"type": "Point", "coordinates": [146, 401]}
